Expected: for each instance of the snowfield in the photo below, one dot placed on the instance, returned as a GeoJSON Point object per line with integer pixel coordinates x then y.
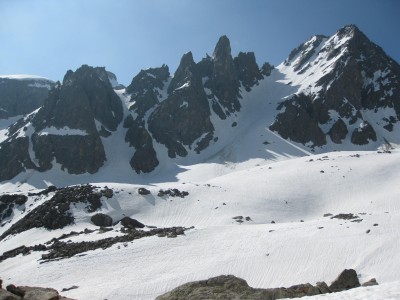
{"type": "Point", "coordinates": [301, 246]}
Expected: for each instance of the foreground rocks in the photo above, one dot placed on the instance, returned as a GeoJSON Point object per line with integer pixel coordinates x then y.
{"type": "Point", "coordinates": [231, 287]}
{"type": "Point", "coordinates": [29, 293]}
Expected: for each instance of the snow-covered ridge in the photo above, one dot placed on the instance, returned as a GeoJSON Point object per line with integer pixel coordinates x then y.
{"type": "Point", "coordinates": [24, 77]}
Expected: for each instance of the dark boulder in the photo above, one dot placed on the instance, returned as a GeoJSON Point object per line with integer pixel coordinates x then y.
{"type": "Point", "coordinates": [370, 282]}
{"type": "Point", "coordinates": [39, 293]}
{"type": "Point", "coordinates": [131, 223]}
{"type": "Point", "coordinates": [15, 290]}
{"type": "Point", "coordinates": [346, 280]}
{"type": "Point", "coordinates": [5, 295]}
{"type": "Point", "coordinates": [102, 220]}
{"type": "Point", "coordinates": [143, 191]}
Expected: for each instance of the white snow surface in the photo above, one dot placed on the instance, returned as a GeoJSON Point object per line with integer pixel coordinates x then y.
{"type": "Point", "coordinates": [24, 77]}
{"type": "Point", "coordinates": [302, 246]}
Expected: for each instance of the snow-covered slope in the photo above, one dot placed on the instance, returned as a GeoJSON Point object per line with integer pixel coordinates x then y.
{"type": "Point", "coordinates": [300, 246]}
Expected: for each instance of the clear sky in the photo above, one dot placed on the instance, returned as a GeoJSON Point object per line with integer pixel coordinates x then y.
{"type": "Point", "coordinates": [48, 37]}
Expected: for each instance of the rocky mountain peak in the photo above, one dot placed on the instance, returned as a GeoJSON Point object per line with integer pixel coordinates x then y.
{"type": "Point", "coordinates": [340, 78]}
{"type": "Point", "coordinates": [222, 50]}
{"type": "Point", "coordinates": [247, 69]}
{"type": "Point", "coordinates": [85, 95]}
{"type": "Point", "coordinates": [225, 83]}
{"type": "Point", "coordinates": [148, 79]}
{"type": "Point", "coordinates": [350, 30]}
{"type": "Point", "coordinates": [67, 128]}
{"type": "Point", "coordinates": [184, 73]}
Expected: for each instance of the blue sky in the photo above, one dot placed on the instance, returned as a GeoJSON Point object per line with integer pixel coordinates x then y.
{"type": "Point", "coordinates": [48, 37]}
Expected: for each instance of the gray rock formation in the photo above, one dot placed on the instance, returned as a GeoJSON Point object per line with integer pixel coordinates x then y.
{"type": "Point", "coordinates": [102, 220]}
{"type": "Point", "coordinates": [145, 91]}
{"type": "Point", "coordinates": [338, 131]}
{"type": "Point", "coordinates": [231, 287]}
{"type": "Point", "coordinates": [183, 119]}
{"type": "Point", "coordinates": [66, 129]}
{"type": "Point", "coordinates": [363, 134]}
{"type": "Point", "coordinates": [247, 69]}
{"type": "Point", "coordinates": [22, 96]}
{"type": "Point", "coordinates": [346, 280]}
{"type": "Point", "coordinates": [224, 80]}
{"type": "Point", "coordinates": [299, 121]}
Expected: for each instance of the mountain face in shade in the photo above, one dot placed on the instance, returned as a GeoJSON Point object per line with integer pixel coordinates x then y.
{"type": "Point", "coordinates": [66, 130]}
{"type": "Point", "coordinates": [20, 95]}
{"type": "Point", "coordinates": [331, 93]}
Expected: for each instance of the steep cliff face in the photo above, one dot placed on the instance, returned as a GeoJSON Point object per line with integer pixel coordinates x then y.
{"type": "Point", "coordinates": [352, 88]}
{"type": "Point", "coordinates": [67, 128]}
{"type": "Point", "coordinates": [146, 91]}
{"type": "Point", "coordinates": [183, 119]}
{"type": "Point", "coordinates": [22, 94]}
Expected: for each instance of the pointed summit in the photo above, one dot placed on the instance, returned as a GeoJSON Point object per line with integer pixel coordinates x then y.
{"type": "Point", "coordinates": [223, 48]}
{"type": "Point", "coordinates": [225, 83]}
{"type": "Point", "coordinates": [184, 72]}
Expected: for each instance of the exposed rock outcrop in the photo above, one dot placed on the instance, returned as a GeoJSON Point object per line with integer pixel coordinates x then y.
{"type": "Point", "coordinates": [102, 220]}
{"type": "Point", "coordinates": [361, 78]}
{"type": "Point", "coordinates": [224, 81]}
{"type": "Point", "coordinates": [145, 91]}
{"type": "Point", "coordinates": [67, 129]}
{"type": "Point", "coordinates": [231, 287]}
{"type": "Point", "coordinates": [346, 280]}
{"type": "Point", "coordinates": [299, 121]}
{"type": "Point", "coordinates": [130, 223]}
{"type": "Point", "coordinates": [55, 213]}
{"type": "Point", "coordinates": [29, 293]}
{"type": "Point", "coordinates": [338, 132]}
{"type": "Point", "coordinates": [183, 119]}
{"type": "Point", "coordinates": [247, 69]}
{"type": "Point", "coordinates": [9, 202]}
{"type": "Point", "coordinates": [21, 96]}
{"type": "Point", "coordinates": [363, 134]}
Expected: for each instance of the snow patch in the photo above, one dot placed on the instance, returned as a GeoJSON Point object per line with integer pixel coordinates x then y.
{"type": "Point", "coordinates": [62, 131]}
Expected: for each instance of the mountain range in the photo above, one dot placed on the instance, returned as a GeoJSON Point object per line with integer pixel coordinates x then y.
{"type": "Point", "coordinates": [331, 93]}
{"type": "Point", "coordinates": [278, 175]}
